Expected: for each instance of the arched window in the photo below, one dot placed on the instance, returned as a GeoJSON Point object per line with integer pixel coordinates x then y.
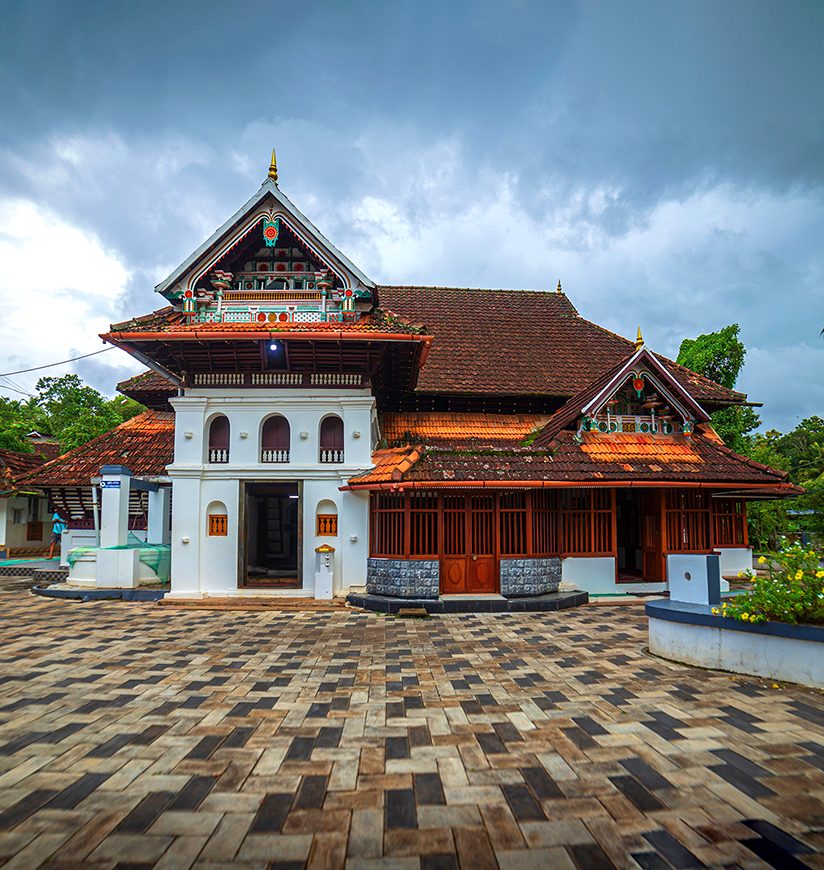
{"type": "Point", "coordinates": [219, 439]}
{"type": "Point", "coordinates": [217, 525]}
{"type": "Point", "coordinates": [326, 519]}
{"type": "Point", "coordinates": [331, 439]}
{"type": "Point", "coordinates": [274, 440]}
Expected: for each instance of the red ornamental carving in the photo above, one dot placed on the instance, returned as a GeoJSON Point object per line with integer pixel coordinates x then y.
{"type": "Point", "coordinates": [188, 294]}
{"type": "Point", "coordinates": [283, 316]}
{"type": "Point", "coordinates": [261, 316]}
{"type": "Point", "coordinates": [348, 293]}
{"type": "Point", "coordinates": [638, 384]}
{"type": "Point", "coordinates": [270, 233]}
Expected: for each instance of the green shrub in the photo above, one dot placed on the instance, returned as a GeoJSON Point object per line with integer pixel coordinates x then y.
{"type": "Point", "coordinates": [791, 591]}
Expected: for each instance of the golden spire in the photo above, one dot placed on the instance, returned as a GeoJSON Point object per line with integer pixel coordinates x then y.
{"type": "Point", "coordinates": [639, 341]}
{"type": "Point", "coordinates": [558, 288]}
{"type": "Point", "coordinates": [273, 168]}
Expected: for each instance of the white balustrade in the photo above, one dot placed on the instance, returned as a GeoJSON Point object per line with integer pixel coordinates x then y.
{"type": "Point", "coordinates": [274, 455]}
{"type": "Point", "coordinates": [218, 455]}
{"type": "Point", "coordinates": [331, 455]}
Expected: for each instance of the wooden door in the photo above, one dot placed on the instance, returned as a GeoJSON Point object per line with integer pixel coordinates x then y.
{"type": "Point", "coordinates": [453, 561]}
{"type": "Point", "coordinates": [482, 564]}
{"type": "Point", "coordinates": [652, 535]}
{"type": "Point", "coordinates": [469, 563]}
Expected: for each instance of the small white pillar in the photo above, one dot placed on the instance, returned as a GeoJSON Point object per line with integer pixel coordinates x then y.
{"type": "Point", "coordinates": [324, 571]}
{"type": "Point", "coordinates": [115, 483]}
{"type": "Point", "coordinates": [159, 525]}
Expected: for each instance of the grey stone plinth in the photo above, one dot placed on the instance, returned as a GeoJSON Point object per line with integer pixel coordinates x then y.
{"type": "Point", "coordinates": [403, 578]}
{"type": "Point", "coordinates": [534, 576]}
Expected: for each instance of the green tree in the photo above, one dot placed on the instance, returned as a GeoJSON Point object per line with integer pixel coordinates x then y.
{"type": "Point", "coordinates": [66, 408]}
{"type": "Point", "coordinates": [720, 357]}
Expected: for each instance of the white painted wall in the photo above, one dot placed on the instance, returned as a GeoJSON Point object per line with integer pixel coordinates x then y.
{"type": "Point", "coordinates": [589, 574]}
{"type": "Point", "coordinates": [14, 534]}
{"type": "Point", "coordinates": [778, 658]}
{"type": "Point", "coordinates": [734, 560]}
{"type": "Point", "coordinates": [203, 565]}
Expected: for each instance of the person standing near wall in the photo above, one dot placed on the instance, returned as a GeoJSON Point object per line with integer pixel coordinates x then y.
{"type": "Point", "coordinates": [58, 527]}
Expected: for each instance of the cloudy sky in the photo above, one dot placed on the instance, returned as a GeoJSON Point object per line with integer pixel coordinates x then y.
{"type": "Point", "coordinates": [665, 160]}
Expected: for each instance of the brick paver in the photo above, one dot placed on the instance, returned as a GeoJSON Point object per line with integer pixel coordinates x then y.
{"type": "Point", "coordinates": [138, 735]}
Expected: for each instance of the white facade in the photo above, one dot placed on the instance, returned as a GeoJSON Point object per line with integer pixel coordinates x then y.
{"type": "Point", "coordinates": [207, 565]}
{"type": "Point", "coordinates": [16, 514]}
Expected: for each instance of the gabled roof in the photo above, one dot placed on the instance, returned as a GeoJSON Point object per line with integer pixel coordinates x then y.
{"type": "Point", "coordinates": [145, 444]}
{"type": "Point", "coordinates": [589, 399]}
{"type": "Point", "coordinates": [520, 342]}
{"type": "Point", "coordinates": [269, 190]}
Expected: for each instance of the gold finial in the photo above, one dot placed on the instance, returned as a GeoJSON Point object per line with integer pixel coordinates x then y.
{"type": "Point", "coordinates": [558, 288]}
{"type": "Point", "coordinates": [273, 168]}
{"type": "Point", "coordinates": [639, 341]}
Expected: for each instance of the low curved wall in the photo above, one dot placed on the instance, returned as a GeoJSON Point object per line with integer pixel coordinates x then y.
{"type": "Point", "coordinates": [690, 633]}
{"type": "Point", "coordinates": [534, 576]}
{"type": "Point", "coordinates": [403, 578]}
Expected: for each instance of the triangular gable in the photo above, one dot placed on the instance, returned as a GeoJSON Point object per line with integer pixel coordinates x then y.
{"type": "Point", "coordinates": [591, 399]}
{"type": "Point", "coordinates": [269, 202]}
{"type": "Point", "coordinates": [643, 362]}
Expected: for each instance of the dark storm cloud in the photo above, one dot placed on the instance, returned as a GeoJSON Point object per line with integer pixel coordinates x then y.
{"type": "Point", "coordinates": [666, 158]}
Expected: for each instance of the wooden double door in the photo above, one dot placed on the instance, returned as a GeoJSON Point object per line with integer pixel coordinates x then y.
{"type": "Point", "coordinates": [469, 563]}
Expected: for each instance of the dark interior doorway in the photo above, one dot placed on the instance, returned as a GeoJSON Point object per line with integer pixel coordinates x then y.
{"type": "Point", "coordinates": [628, 529]}
{"type": "Point", "coordinates": [272, 549]}
{"type": "Point", "coordinates": [639, 535]}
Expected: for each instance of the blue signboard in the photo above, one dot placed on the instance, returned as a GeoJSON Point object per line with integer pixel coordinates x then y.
{"type": "Point", "coordinates": [110, 484]}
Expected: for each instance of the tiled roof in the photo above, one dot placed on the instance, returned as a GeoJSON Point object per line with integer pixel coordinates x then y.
{"type": "Point", "coordinates": [433, 427]}
{"type": "Point", "coordinates": [144, 444]}
{"type": "Point", "coordinates": [624, 447]}
{"type": "Point", "coordinates": [14, 465]}
{"type": "Point", "coordinates": [623, 459]}
{"type": "Point", "coordinates": [169, 320]}
{"type": "Point", "coordinates": [390, 464]}
{"type": "Point", "coordinates": [147, 382]}
{"type": "Point", "coordinates": [519, 342]}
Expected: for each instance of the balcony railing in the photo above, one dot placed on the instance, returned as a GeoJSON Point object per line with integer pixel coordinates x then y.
{"type": "Point", "coordinates": [330, 456]}
{"type": "Point", "coordinates": [218, 456]}
{"type": "Point", "coordinates": [274, 455]}
{"type": "Point", "coordinates": [314, 380]}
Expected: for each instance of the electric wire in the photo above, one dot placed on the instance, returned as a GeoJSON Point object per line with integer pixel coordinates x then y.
{"type": "Point", "coordinates": [52, 365]}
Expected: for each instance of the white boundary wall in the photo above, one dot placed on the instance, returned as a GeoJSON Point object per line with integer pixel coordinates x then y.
{"type": "Point", "coordinates": [734, 560]}
{"type": "Point", "coordinates": [770, 656]}
{"type": "Point", "coordinates": [203, 565]}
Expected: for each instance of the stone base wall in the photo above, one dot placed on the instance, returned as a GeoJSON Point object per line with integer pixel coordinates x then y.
{"type": "Point", "coordinates": [403, 578]}
{"type": "Point", "coordinates": [530, 576]}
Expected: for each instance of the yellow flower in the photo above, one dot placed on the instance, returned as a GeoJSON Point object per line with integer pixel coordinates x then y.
{"type": "Point", "coordinates": [776, 686]}
{"type": "Point", "coordinates": [715, 611]}
{"type": "Point", "coordinates": [799, 574]}
{"type": "Point", "coordinates": [762, 560]}
{"type": "Point", "coordinates": [819, 575]}
{"type": "Point", "coordinates": [745, 617]}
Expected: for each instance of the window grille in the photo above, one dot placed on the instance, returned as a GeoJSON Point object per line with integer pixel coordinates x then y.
{"type": "Point", "coordinates": [327, 525]}
{"type": "Point", "coordinates": [218, 525]}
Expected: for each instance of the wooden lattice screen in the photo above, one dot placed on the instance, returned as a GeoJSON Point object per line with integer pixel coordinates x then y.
{"type": "Point", "coordinates": [218, 525]}
{"type": "Point", "coordinates": [327, 525]}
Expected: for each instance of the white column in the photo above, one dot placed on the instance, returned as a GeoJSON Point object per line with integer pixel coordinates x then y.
{"type": "Point", "coordinates": [158, 529]}
{"type": "Point", "coordinates": [186, 537]}
{"type": "Point", "coordinates": [114, 514]}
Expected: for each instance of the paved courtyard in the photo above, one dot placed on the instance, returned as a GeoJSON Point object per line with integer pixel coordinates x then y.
{"type": "Point", "coordinates": [132, 735]}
